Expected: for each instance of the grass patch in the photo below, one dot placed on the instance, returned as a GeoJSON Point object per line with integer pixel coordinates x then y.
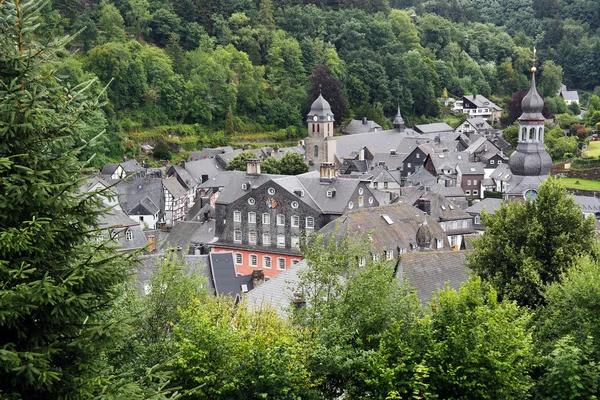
{"type": "Point", "coordinates": [593, 149]}
{"type": "Point", "coordinates": [583, 184]}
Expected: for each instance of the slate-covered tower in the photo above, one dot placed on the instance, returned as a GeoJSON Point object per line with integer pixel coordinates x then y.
{"type": "Point", "coordinates": [530, 164]}
{"type": "Point", "coordinates": [320, 144]}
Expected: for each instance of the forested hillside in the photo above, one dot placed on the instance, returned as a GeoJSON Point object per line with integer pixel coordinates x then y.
{"type": "Point", "coordinates": [219, 68]}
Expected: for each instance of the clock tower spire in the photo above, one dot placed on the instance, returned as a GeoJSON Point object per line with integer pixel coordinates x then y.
{"type": "Point", "coordinates": [320, 144]}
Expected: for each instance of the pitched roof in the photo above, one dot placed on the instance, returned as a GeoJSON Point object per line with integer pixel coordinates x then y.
{"type": "Point", "coordinates": [429, 272]}
{"type": "Point", "coordinates": [399, 234]}
{"type": "Point", "coordinates": [130, 166]}
{"type": "Point", "coordinates": [344, 189]}
{"type": "Point", "coordinates": [502, 172]}
{"type": "Point", "coordinates": [109, 169]}
{"type": "Point", "coordinates": [420, 177]}
{"type": "Point", "coordinates": [225, 279]}
{"type": "Point", "coordinates": [174, 187]}
{"type": "Point", "coordinates": [231, 183]}
{"type": "Point", "coordinates": [185, 234]}
{"type": "Point", "coordinates": [357, 126]}
{"type": "Point", "coordinates": [570, 95]}
{"type": "Point", "coordinates": [138, 194]}
{"type": "Point", "coordinates": [488, 204]}
{"type": "Point", "coordinates": [448, 160]}
{"type": "Point", "coordinates": [433, 128]}
{"type": "Point", "coordinates": [208, 152]}
{"type": "Point", "coordinates": [474, 168]}
{"type": "Point", "coordinates": [184, 175]}
{"type": "Point", "coordinates": [482, 102]}
{"type": "Point", "coordinates": [588, 204]}
{"type": "Point", "coordinates": [479, 123]}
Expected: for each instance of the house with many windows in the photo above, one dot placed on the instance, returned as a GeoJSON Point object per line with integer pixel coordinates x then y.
{"type": "Point", "coordinates": [477, 105]}
{"type": "Point", "coordinates": [261, 218]}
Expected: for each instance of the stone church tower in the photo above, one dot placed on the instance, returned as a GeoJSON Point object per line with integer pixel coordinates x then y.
{"type": "Point", "coordinates": [320, 144]}
{"type": "Point", "coordinates": [530, 164]}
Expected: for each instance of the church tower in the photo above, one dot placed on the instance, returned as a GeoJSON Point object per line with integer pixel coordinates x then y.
{"type": "Point", "coordinates": [399, 122]}
{"type": "Point", "coordinates": [530, 164]}
{"type": "Point", "coordinates": [320, 144]}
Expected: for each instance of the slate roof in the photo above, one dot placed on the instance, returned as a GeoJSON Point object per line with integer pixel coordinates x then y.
{"type": "Point", "coordinates": [174, 187]}
{"type": "Point", "coordinates": [588, 204]}
{"type": "Point", "coordinates": [488, 204]}
{"type": "Point", "coordinates": [201, 167]}
{"type": "Point", "coordinates": [344, 187]}
{"type": "Point", "coordinates": [502, 172]}
{"type": "Point", "coordinates": [570, 95]}
{"type": "Point", "coordinates": [381, 174]}
{"type": "Point", "coordinates": [357, 126]}
{"type": "Point", "coordinates": [390, 161]}
{"type": "Point", "coordinates": [118, 221]}
{"type": "Point", "coordinates": [184, 175]}
{"type": "Point", "coordinates": [185, 234]}
{"type": "Point", "coordinates": [208, 152]}
{"type": "Point", "coordinates": [194, 265]}
{"type": "Point", "coordinates": [420, 177]}
{"type": "Point", "coordinates": [479, 123]}
{"type": "Point", "coordinates": [139, 194]}
{"type": "Point", "coordinates": [429, 272]}
{"type": "Point", "coordinates": [130, 166]}
{"type": "Point", "coordinates": [225, 279]}
{"type": "Point", "coordinates": [433, 128]}
{"type": "Point", "coordinates": [400, 234]}
{"type": "Point", "coordinates": [109, 169]}
{"type": "Point", "coordinates": [443, 209]}
{"type": "Point", "coordinates": [448, 160]}
{"type": "Point", "coordinates": [231, 182]}
{"type": "Point", "coordinates": [471, 168]}
{"type": "Point", "coordinates": [277, 292]}
{"type": "Point", "coordinates": [380, 141]}
{"type": "Point", "coordinates": [482, 102]}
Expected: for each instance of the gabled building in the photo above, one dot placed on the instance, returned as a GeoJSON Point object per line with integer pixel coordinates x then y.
{"type": "Point", "coordinates": [122, 230]}
{"type": "Point", "coordinates": [175, 200]}
{"type": "Point", "coordinates": [477, 105]}
{"type": "Point", "coordinates": [188, 181]}
{"type": "Point", "coordinates": [489, 205]}
{"type": "Point", "coordinates": [569, 96]}
{"type": "Point", "coordinates": [361, 126]}
{"type": "Point", "coordinates": [475, 125]}
{"type": "Point", "coordinates": [470, 178]}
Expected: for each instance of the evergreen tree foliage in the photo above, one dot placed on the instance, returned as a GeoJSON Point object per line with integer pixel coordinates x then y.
{"type": "Point", "coordinates": [57, 275]}
{"type": "Point", "coordinates": [528, 246]}
{"type": "Point", "coordinates": [322, 82]}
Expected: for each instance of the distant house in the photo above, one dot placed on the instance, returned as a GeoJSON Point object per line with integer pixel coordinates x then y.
{"type": "Point", "coordinates": [477, 105]}
{"type": "Point", "coordinates": [470, 177]}
{"type": "Point", "coordinates": [121, 229]}
{"type": "Point", "coordinates": [175, 200]}
{"type": "Point", "coordinates": [569, 96]}
{"type": "Point", "coordinates": [477, 125]}
{"type": "Point", "coordinates": [361, 126]}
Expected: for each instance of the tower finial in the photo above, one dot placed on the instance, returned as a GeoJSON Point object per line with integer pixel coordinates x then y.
{"type": "Point", "coordinates": [534, 60]}
{"type": "Point", "coordinates": [320, 90]}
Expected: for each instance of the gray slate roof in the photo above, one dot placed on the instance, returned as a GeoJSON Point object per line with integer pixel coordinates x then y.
{"type": "Point", "coordinates": [482, 102]}
{"type": "Point", "coordinates": [231, 182]}
{"type": "Point", "coordinates": [357, 126]}
{"type": "Point", "coordinates": [208, 152]}
{"type": "Point", "coordinates": [429, 272]}
{"type": "Point", "coordinates": [420, 177]}
{"type": "Point", "coordinates": [185, 234]}
{"type": "Point", "coordinates": [174, 187]}
{"type": "Point", "coordinates": [139, 194]}
{"type": "Point", "coordinates": [225, 279]}
{"type": "Point", "coordinates": [488, 204]}
{"type": "Point", "coordinates": [438, 127]}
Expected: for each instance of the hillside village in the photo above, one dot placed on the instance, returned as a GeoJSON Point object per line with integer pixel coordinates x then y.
{"type": "Point", "coordinates": [419, 190]}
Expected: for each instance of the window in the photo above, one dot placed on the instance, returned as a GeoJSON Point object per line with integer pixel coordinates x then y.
{"type": "Point", "coordinates": [252, 237]}
{"type": "Point", "coordinates": [385, 185]}
{"type": "Point", "coordinates": [295, 242]}
{"type": "Point", "coordinates": [499, 161]}
{"type": "Point", "coordinates": [266, 240]}
{"type": "Point", "coordinates": [375, 185]}
{"type": "Point", "coordinates": [452, 240]}
{"type": "Point", "coordinates": [281, 263]}
{"type": "Point", "coordinates": [251, 201]}
{"type": "Point", "coordinates": [271, 191]}
{"type": "Point", "coordinates": [375, 256]}
{"type": "Point", "coordinates": [477, 219]}
{"type": "Point", "coordinates": [128, 234]}
{"type": "Point", "coordinates": [280, 220]}
{"type": "Point", "coordinates": [362, 262]}
{"type": "Point", "coordinates": [469, 182]}
{"type": "Point", "coordinates": [418, 155]}
{"type": "Point", "coordinates": [474, 181]}
{"type": "Point", "coordinates": [295, 262]}
{"type": "Point", "coordinates": [267, 262]}
{"type": "Point", "coordinates": [439, 243]}
{"type": "Point", "coordinates": [238, 258]}
{"type": "Point", "coordinates": [351, 205]}
{"type": "Point", "coordinates": [468, 192]}
{"type": "Point", "coordinates": [266, 219]}
{"type": "Point", "coordinates": [492, 162]}
{"type": "Point", "coordinates": [237, 236]}
{"type": "Point", "coordinates": [370, 200]}
{"type": "Point", "coordinates": [313, 126]}
{"type": "Point", "coordinates": [253, 260]}
{"type": "Point", "coordinates": [389, 254]}
{"type": "Point", "coordinates": [475, 192]}
{"type": "Point", "coordinates": [316, 152]}
{"type": "Point", "coordinates": [310, 222]}
{"type": "Point", "coordinates": [360, 190]}
{"type": "Point", "coordinates": [251, 217]}
{"type": "Point", "coordinates": [294, 204]}
{"type": "Point", "coordinates": [295, 221]}
{"type": "Point", "coordinates": [280, 240]}
{"type": "Point", "coordinates": [408, 165]}
{"type": "Point", "coordinates": [361, 201]}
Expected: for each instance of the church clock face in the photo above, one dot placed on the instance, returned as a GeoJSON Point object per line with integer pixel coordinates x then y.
{"type": "Point", "coordinates": [530, 194]}
{"type": "Point", "coordinates": [315, 118]}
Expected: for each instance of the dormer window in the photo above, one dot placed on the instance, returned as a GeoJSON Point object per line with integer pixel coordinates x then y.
{"type": "Point", "coordinates": [129, 234]}
{"type": "Point", "coordinates": [331, 193]}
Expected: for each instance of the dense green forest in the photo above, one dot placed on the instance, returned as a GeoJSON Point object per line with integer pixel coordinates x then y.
{"type": "Point", "coordinates": [215, 69]}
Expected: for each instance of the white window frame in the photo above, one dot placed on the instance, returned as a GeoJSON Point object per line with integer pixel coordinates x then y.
{"type": "Point", "coordinates": [492, 161]}
{"type": "Point", "coordinates": [281, 263]}
{"type": "Point", "coordinates": [251, 236]}
{"type": "Point", "coordinates": [310, 223]}
{"type": "Point", "coordinates": [362, 262]}
{"type": "Point", "coordinates": [253, 260]}
{"type": "Point", "coordinates": [280, 220]}
{"type": "Point", "coordinates": [295, 221]}
{"type": "Point", "coordinates": [237, 216]}
{"type": "Point", "coordinates": [239, 258]}
{"type": "Point", "coordinates": [389, 254]}
{"type": "Point", "coordinates": [439, 243]}
{"type": "Point", "coordinates": [267, 262]}
{"type": "Point", "coordinates": [128, 234]}
{"type": "Point", "coordinates": [237, 236]}
{"type": "Point", "coordinates": [375, 256]}
{"type": "Point", "coordinates": [361, 201]}
{"type": "Point", "coordinates": [266, 239]}
{"type": "Point", "coordinates": [295, 242]}
{"type": "Point", "coordinates": [280, 241]}
{"type": "Point", "coordinates": [251, 217]}
{"type": "Point", "coordinates": [475, 192]}
{"type": "Point", "coordinates": [467, 192]}
{"type": "Point", "coordinates": [266, 219]}
{"type": "Point", "coordinates": [469, 182]}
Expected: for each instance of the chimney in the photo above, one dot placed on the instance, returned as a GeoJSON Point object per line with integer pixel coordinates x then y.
{"type": "Point", "coordinates": [299, 300]}
{"type": "Point", "coordinates": [253, 167]}
{"type": "Point", "coordinates": [424, 205]}
{"type": "Point", "coordinates": [258, 278]}
{"type": "Point", "coordinates": [182, 164]}
{"type": "Point", "coordinates": [364, 120]}
{"type": "Point", "coordinates": [392, 152]}
{"type": "Point", "coordinates": [151, 243]}
{"type": "Point", "coordinates": [361, 154]}
{"type": "Point", "coordinates": [327, 172]}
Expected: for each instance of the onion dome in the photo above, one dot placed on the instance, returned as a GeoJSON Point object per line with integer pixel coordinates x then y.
{"type": "Point", "coordinates": [532, 104]}
{"type": "Point", "coordinates": [533, 160]}
{"type": "Point", "coordinates": [321, 110]}
{"type": "Point", "coordinates": [424, 236]}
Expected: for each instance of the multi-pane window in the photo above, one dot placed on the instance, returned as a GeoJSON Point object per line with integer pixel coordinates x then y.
{"type": "Point", "coordinates": [266, 240]}
{"type": "Point", "coordinates": [267, 262]}
{"type": "Point", "coordinates": [295, 221]}
{"type": "Point", "coordinates": [253, 260]}
{"type": "Point", "coordinates": [375, 256]}
{"type": "Point", "coordinates": [238, 258]}
{"type": "Point", "coordinates": [251, 217]}
{"type": "Point", "coordinates": [389, 254]}
{"type": "Point", "coordinates": [280, 220]}
{"type": "Point", "coordinates": [280, 240]}
{"type": "Point", "coordinates": [252, 237]}
{"type": "Point", "coordinates": [266, 219]}
{"type": "Point", "coordinates": [129, 234]}
{"type": "Point", "coordinates": [237, 236]}
{"type": "Point", "coordinates": [281, 263]}
{"type": "Point", "coordinates": [310, 222]}
{"type": "Point", "coordinates": [237, 216]}
{"type": "Point", "coordinates": [295, 242]}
